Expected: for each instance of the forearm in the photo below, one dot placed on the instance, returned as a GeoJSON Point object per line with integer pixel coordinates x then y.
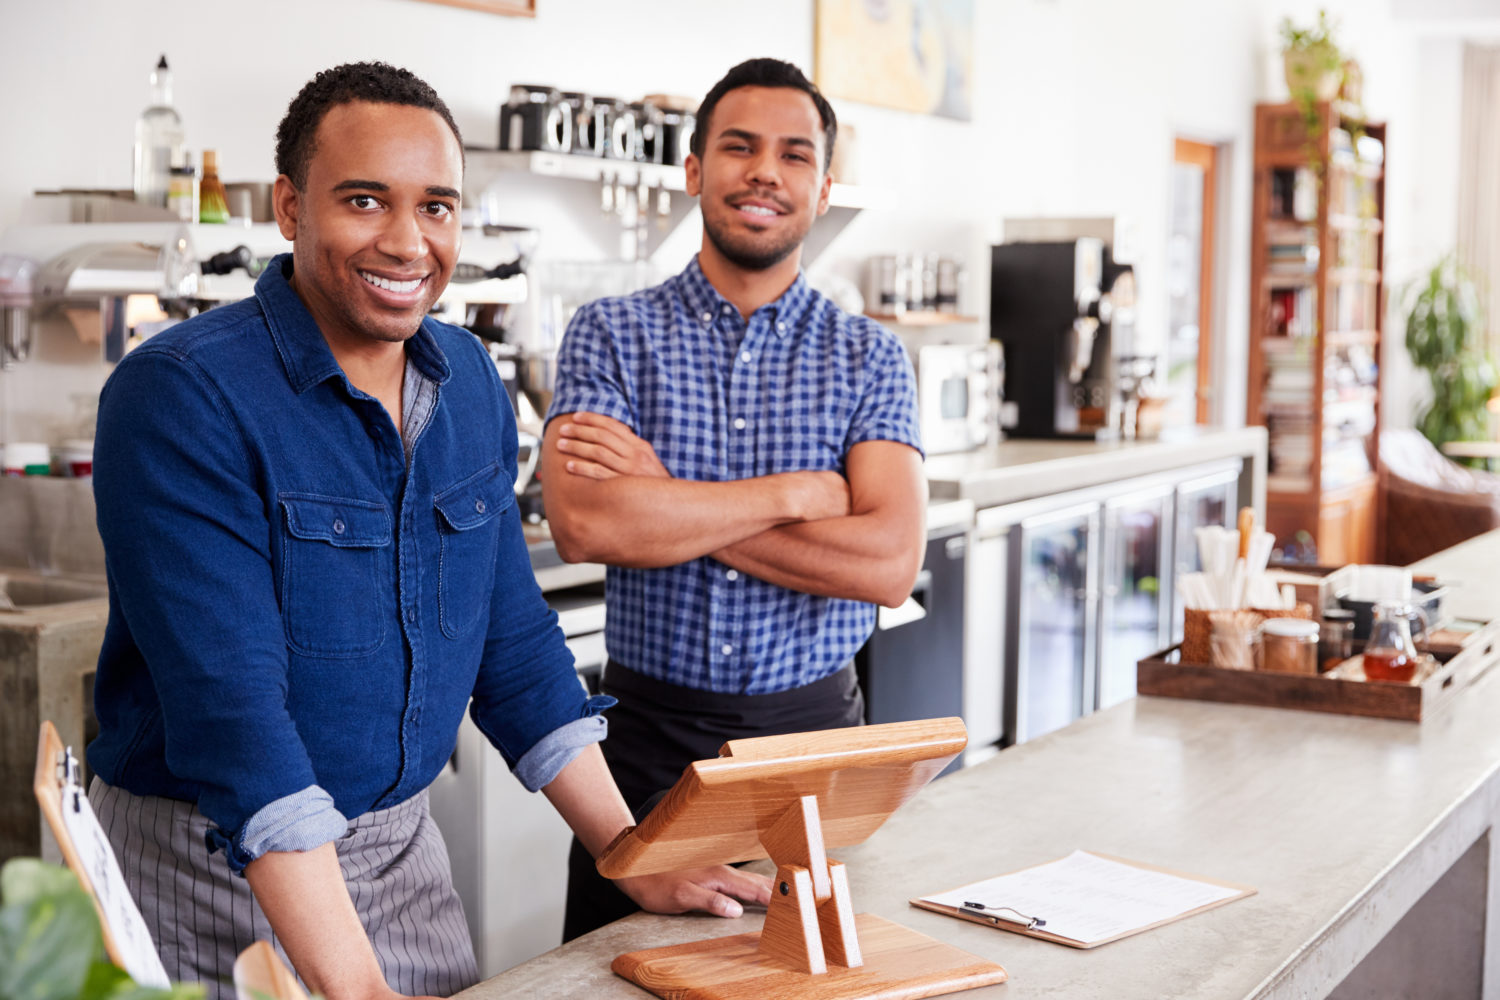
{"type": "Point", "coordinates": [862, 557]}
{"type": "Point", "coordinates": [304, 897]}
{"type": "Point", "coordinates": [586, 797]}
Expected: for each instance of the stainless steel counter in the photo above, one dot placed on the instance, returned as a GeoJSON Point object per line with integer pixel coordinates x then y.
{"type": "Point", "coordinates": [1341, 823]}
{"type": "Point", "coordinates": [1022, 469]}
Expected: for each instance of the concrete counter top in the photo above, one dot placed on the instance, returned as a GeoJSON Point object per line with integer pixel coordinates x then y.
{"type": "Point", "coordinates": [1341, 823]}
{"type": "Point", "coordinates": [1021, 469]}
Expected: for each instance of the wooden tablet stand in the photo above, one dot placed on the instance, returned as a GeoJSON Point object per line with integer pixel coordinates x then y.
{"type": "Point", "coordinates": [786, 798]}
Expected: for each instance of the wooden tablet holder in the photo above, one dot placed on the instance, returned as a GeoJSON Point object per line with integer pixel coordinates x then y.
{"type": "Point", "coordinates": [786, 797]}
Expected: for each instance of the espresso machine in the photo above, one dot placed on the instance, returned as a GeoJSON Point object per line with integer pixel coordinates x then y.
{"type": "Point", "coordinates": [1053, 307]}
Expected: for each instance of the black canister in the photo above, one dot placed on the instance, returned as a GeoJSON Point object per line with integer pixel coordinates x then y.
{"type": "Point", "coordinates": [588, 137]}
{"type": "Point", "coordinates": [536, 118]}
{"type": "Point", "coordinates": [648, 132]}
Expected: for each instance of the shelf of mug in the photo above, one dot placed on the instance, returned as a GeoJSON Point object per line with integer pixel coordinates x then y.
{"type": "Point", "coordinates": [922, 318]}
{"type": "Point", "coordinates": [596, 169]}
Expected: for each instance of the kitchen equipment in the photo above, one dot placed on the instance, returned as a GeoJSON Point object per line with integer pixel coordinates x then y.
{"type": "Point", "coordinates": [912, 667]}
{"type": "Point", "coordinates": [648, 133]}
{"type": "Point", "coordinates": [1390, 655]}
{"type": "Point", "coordinates": [1426, 599]}
{"type": "Point", "coordinates": [536, 117]}
{"type": "Point", "coordinates": [17, 279]}
{"type": "Point", "coordinates": [588, 129]}
{"type": "Point", "coordinates": [621, 139]}
{"type": "Point", "coordinates": [1052, 306]}
{"type": "Point", "coordinates": [676, 136]}
{"type": "Point", "coordinates": [956, 402]}
{"type": "Point", "coordinates": [1335, 638]}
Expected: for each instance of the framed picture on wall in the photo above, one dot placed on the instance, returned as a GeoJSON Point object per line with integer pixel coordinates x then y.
{"type": "Point", "coordinates": [913, 55]}
{"type": "Point", "coordinates": [512, 8]}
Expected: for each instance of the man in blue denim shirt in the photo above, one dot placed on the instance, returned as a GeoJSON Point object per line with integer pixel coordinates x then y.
{"type": "Point", "coordinates": [315, 561]}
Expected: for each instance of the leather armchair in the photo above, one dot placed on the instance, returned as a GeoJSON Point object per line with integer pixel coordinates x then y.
{"type": "Point", "coordinates": [1430, 502]}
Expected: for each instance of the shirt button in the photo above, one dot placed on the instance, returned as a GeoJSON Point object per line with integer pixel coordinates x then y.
{"type": "Point", "coordinates": [739, 423]}
{"type": "Point", "coordinates": [724, 307]}
{"type": "Point", "coordinates": [338, 526]}
{"type": "Point", "coordinates": [781, 327]}
{"type": "Point", "coordinates": [708, 317]}
{"type": "Point", "coordinates": [411, 615]}
{"type": "Point", "coordinates": [479, 506]}
{"type": "Point", "coordinates": [732, 575]}
{"type": "Point", "coordinates": [745, 357]}
{"type": "Point", "coordinates": [727, 649]}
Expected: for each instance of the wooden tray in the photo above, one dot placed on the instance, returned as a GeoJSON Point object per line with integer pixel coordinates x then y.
{"type": "Point", "coordinates": [1165, 675]}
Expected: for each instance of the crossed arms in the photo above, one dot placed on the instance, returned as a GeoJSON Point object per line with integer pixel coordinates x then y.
{"type": "Point", "coordinates": [609, 499]}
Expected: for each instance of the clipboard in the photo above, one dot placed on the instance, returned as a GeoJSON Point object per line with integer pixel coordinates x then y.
{"type": "Point", "coordinates": [1032, 925]}
{"type": "Point", "coordinates": [87, 852]}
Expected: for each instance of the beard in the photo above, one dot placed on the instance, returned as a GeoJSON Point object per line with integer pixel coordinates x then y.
{"type": "Point", "coordinates": [747, 254]}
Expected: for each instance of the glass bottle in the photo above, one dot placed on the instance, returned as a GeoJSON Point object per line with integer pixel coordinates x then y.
{"type": "Point", "coordinates": [213, 202]}
{"type": "Point", "coordinates": [158, 140]}
{"type": "Point", "coordinates": [1390, 655]}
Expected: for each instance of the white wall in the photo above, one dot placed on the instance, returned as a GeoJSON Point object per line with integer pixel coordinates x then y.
{"type": "Point", "coordinates": [1076, 104]}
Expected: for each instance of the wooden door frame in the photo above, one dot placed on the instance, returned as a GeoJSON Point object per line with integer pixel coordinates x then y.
{"type": "Point", "coordinates": [1205, 156]}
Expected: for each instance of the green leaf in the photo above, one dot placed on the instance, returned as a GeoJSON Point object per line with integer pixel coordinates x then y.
{"type": "Point", "coordinates": [48, 943]}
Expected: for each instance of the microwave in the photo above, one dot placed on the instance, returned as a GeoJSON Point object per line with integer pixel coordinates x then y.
{"type": "Point", "coordinates": [958, 395]}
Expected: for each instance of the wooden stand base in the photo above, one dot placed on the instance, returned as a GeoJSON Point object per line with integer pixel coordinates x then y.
{"type": "Point", "coordinates": [898, 963]}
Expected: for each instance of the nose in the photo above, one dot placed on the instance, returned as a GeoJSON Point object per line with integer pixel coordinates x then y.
{"type": "Point", "coordinates": [765, 169]}
{"type": "Point", "coordinates": [402, 237]}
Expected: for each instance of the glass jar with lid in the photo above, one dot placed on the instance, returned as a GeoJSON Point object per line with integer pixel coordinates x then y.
{"type": "Point", "coordinates": [1289, 646]}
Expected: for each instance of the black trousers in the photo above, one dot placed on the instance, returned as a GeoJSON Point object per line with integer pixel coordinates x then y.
{"type": "Point", "coordinates": [658, 729]}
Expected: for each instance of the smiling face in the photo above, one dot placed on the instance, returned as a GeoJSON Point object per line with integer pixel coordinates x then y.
{"type": "Point", "coordinates": [760, 180]}
{"type": "Point", "coordinates": [375, 228]}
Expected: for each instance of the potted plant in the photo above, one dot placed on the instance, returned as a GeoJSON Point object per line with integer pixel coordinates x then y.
{"type": "Point", "coordinates": [1444, 338]}
{"type": "Point", "coordinates": [51, 947]}
{"type": "Point", "coordinates": [1311, 59]}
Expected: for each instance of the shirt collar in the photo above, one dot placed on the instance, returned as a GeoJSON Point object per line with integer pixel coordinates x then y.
{"type": "Point", "coordinates": [703, 299]}
{"type": "Point", "coordinates": [304, 352]}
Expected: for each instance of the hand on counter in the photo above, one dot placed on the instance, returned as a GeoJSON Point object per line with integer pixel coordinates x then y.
{"type": "Point", "coordinates": [718, 889]}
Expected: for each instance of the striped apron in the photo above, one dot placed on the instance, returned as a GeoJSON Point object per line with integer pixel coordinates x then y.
{"type": "Point", "coordinates": [394, 862]}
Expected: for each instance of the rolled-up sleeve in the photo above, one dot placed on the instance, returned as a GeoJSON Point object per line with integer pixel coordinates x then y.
{"type": "Point", "coordinates": [186, 537]}
{"type": "Point", "coordinates": [887, 408]}
{"type": "Point", "coordinates": [589, 374]}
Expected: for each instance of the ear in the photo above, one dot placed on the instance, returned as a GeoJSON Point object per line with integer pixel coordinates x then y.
{"type": "Point", "coordinates": [823, 194]}
{"type": "Point", "coordinates": [285, 202]}
{"type": "Point", "coordinates": [692, 167]}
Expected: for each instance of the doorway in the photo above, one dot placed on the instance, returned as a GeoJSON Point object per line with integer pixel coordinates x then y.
{"type": "Point", "coordinates": [1190, 271]}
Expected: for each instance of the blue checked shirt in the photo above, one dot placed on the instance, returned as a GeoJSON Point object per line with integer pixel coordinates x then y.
{"type": "Point", "coordinates": [721, 399]}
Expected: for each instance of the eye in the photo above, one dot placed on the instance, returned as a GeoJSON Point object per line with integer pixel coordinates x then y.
{"type": "Point", "coordinates": [364, 201]}
{"type": "Point", "coordinates": [438, 209]}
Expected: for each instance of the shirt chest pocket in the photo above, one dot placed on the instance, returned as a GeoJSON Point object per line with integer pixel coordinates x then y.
{"type": "Point", "coordinates": [469, 524]}
{"type": "Point", "coordinates": [332, 600]}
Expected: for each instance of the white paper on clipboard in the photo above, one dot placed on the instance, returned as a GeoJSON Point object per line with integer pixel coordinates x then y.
{"type": "Point", "coordinates": [137, 951]}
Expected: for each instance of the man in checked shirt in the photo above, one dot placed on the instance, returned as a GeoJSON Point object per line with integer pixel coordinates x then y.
{"type": "Point", "coordinates": [745, 458]}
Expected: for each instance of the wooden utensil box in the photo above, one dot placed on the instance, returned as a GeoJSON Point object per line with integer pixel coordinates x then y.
{"type": "Point", "coordinates": [1461, 661]}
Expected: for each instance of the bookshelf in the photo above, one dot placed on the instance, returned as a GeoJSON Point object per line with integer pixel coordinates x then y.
{"type": "Point", "coordinates": [1317, 283]}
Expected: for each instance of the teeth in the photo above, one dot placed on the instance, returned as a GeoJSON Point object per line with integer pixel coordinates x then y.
{"type": "Point", "coordinates": [757, 210]}
{"type": "Point", "coordinates": [391, 286]}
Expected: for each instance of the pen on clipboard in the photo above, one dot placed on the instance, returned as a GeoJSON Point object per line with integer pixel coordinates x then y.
{"type": "Point", "coordinates": [1009, 914]}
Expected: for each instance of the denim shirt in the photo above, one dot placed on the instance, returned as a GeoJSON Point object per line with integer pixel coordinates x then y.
{"type": "Point", "coordinates": [301, 603]}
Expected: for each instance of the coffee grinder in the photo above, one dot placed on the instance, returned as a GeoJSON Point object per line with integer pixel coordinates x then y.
{"type": "Point", "coordinates": [1051, 309]}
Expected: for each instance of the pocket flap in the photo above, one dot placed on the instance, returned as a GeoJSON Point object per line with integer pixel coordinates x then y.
{"type": "Point", "coordinates": [357, 524]}
{"type": "Point", "coordinates": [473, 501]}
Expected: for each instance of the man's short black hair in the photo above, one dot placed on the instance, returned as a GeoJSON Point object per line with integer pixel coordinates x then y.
{"type": "Point", "coordinates": [766, 73]}
{"type": "Point", "coordinates": [376, 82]}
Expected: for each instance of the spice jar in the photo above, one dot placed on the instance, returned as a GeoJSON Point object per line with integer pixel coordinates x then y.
{"type": "Point", "coordinates": [1335, 638]}
{"type": "Point", "coordinates": [1289, 646]}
